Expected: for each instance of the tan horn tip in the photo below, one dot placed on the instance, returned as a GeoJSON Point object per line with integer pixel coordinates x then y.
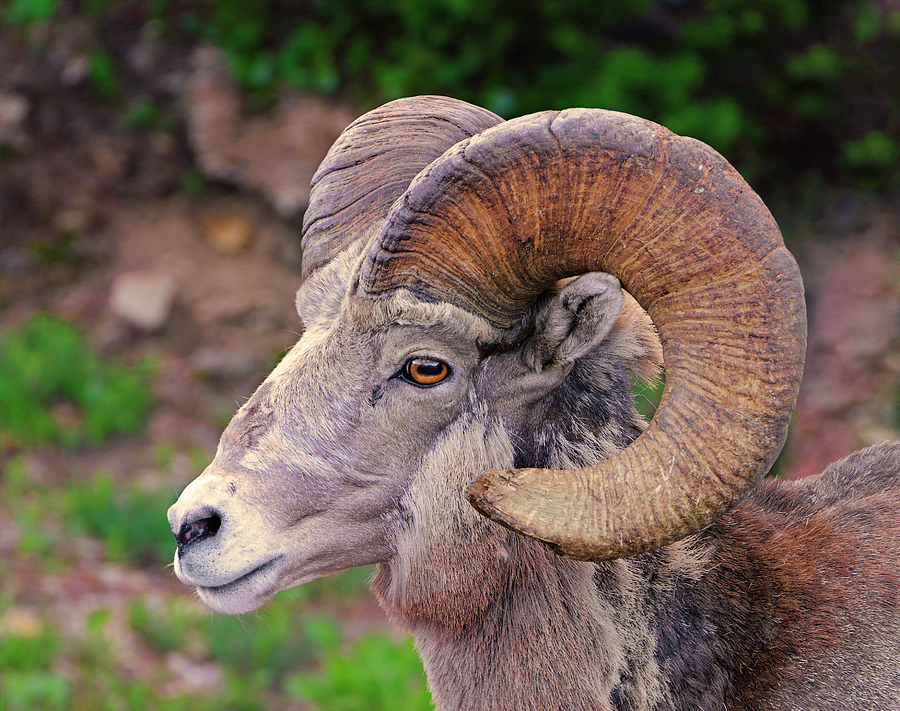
{"type": "Point", "coordinates": [518, 499]}
{"type": "Point", "coordinates": [483, 492]}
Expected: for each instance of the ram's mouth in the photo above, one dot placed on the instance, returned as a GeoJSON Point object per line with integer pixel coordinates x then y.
{"type": "Point", "coordinates": [246, 592]}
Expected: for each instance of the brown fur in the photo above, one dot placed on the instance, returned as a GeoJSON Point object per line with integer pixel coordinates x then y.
{"type": "Point", "coordinates": [808, 571]}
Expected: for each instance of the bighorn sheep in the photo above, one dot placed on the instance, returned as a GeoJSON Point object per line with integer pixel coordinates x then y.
{"type": "Point", "coordinates": [447, 341]}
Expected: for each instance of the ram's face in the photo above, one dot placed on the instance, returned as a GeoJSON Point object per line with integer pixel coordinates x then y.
{"type": "Point", "coordinates": [310, 475]}
{"type": "Point", "coordinates": [359, 446]}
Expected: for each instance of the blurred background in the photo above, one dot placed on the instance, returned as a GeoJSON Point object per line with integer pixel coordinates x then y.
{"type": "Point", "coordinates": [155, 159]}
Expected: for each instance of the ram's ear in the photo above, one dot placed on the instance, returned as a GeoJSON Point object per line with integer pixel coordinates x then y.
{"type": "Point", "coordinates": [574, 321]}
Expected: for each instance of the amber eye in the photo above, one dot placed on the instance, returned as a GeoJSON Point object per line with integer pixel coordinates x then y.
{"type": "Point", "coordinates": [425, 371]}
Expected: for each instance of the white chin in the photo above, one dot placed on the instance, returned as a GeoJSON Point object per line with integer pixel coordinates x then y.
{"type": "Point", "coordinates": [247, 593]}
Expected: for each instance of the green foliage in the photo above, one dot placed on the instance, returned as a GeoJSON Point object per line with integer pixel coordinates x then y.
{"type": "Point", "coordinates": [24, 12]}
{"type": "Point", "coordinates": [262, 652]}
{"type": "Point", "coordinates": [764, 81]}
{"type": "Point", "coordinates": [378, 674]}
{"type": "Point", "coordinates": [167, 627]}
{"type": "Point", "coordinates": [99, 685]}
{"type": "Point", "coordinates": [256, 652]}
{"type": "Point", "coordinates": [36, 538]}
{"type": "Point", "coordinates": [54, 389]}
{"type": "Point", "coordinates": [308, 60]}
{"type": "Point", "coordinates": [161, 630]}
{"type": "Point", "coordinates": [55, 250]}
{"type": "Point", "coordinates": [343, 587]}
{"type": "Point", "coordinates": [142, 113]}
{"type": "Point", "coordinates": [647, 397]}
{"type": "Point", "coordinates": [27, 682]}
{"type": "Point", "coordinates": [193, 183]}
{"type": "Point", "coordinates": [873, 159]}
{"type": "Point", "coordinates": [873, 149]}
{"type": "Point", "coordinates": [131, 522]}
{"type": "Point", "coordinates": [818, 62]}
{"type": "Point", "coordinates": [269, 644]}
{"type": "Point", "coordinates": [34, 691]}
{"type": "Point", "coordinates": [28, 654]}
{"type": "Point", "coordinates": [786, 89]}
{"type": "Point", "coordinates": [29, 511]}
{"type": "Point", "coordinates": [102, 71]}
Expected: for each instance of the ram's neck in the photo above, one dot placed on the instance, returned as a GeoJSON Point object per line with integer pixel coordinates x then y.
{"type": "Point", "coordinates": [558, 634]}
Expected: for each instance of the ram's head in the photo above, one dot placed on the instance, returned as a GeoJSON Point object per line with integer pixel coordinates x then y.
{"type": "Point", "coordinates": [445, 345]}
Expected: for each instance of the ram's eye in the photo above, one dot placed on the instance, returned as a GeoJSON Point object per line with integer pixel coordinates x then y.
{"type": "Point", "coordinates": [425, 371]}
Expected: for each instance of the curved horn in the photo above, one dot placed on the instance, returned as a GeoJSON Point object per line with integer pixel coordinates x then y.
{"type": "Point", "coordinates": [373, 162]}
{"type": "Point", "coordinates": [503, 215]}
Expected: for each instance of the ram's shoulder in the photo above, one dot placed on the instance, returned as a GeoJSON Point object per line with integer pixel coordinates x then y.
{"type": "Point", "coordinates": [854, 501]}
{"type": "Point", "coordinates": [874, 471]}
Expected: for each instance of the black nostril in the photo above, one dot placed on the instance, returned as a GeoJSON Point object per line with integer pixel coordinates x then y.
{"type": "Point", "coordinates": [197, 530]}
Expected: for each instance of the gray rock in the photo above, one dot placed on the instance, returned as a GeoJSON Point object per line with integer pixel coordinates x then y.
{"type": "Point", "coordinates": [14, 109]}
{"type": "Point", "coordinates": [225, 363]}
{"type": "Point", "coordinates": [143, 298]}
{"type": "Point", "coordinates": [276, 154]}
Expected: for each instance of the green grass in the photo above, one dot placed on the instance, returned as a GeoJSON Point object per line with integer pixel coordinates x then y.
{"type": "Point", "coordinates": [28, 683]}
{"type": "Point", "coordinates": [166, 627]}
{"type": "Point", "coordinates": [282, 652]}
{"type": "Point", "coordinates": [647, 396]}
{"type": "Point", "coordinates": [786, 89]}
{"type": "Point", "coordinates": [378, 674]}
{"type": "Point", "coordinates": [130, 521]}
{"type": "Point", "coordinates": [778, 86]}
{"type": "Point", "coordinates": [34, 691]}
{"type": "Point", "coordinates": [24, 12]}
{"type": "Point", "coordinates": [55, 390]}
{"type": "Point", "coordinates": [262, 653]}
{"type": "Point", "coordinates": [266, 646]}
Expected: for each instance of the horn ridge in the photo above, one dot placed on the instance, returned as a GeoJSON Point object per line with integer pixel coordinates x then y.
{"type": "Point", "coordinates": [372, 163]}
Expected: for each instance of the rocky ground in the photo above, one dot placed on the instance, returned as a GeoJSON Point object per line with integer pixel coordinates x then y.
{"type": "Point", "coordinates": [180, 239]}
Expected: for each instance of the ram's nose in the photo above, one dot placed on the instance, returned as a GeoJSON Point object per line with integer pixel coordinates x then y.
{"type": "Point", "coordinates": [194, 525]}
{"type": "Point", "coordinates": [200, 511]}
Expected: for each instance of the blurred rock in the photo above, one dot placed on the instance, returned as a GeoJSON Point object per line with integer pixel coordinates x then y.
{"type": "Point", "coordinates": [227, 234]}
{"type": "Point", "coordinates": [169, 426]}
{"type": "Point", "coordinates": [276, 154]}
{"type": "Point", "coordinates": [21, 622]}
{"type": "Point", "coordinates": [143, 57]}
{"type": "Point", "coordinates": [143, 298]}
{"type": "Point", "coordinates": [76, 220]}
{"type": "Point", "coordinates": [195, 676]}
{"type": "Point", "coordinates": [108, 334]}
{"type": "Point", "coordinates": [14, 109]}
{"type": "Point", "coordinates": [214, 107]}
{"type": "Point", "coordinates": [105, 159]}
{"type": "Point", "coordinates": [225, 363]}
{"type": "Point", "coordinates": [163, 143]}
{"type": "Point", "coordinates": [16, 260]}
{"type": "Point", "coordinates": [75, 70]}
